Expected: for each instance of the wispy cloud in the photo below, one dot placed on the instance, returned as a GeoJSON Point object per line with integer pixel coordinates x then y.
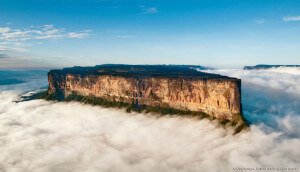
{"type": "Point", "coordinates": [14, 40]}
{"type": "Point", "coordinates": [291, 18]}
{"type": "Point", "coordinates": [77, 35]}
{"type": "Point", "coordinates": [8, 34]}
{"type": "Point", "coordinates": [149, 10]}
{"type": "Point", "coordinates": [6, 56]}
{"type": "Point", "coordinates": [49, 36]}
{"type": "Point", "coordinates": [4, 30]}
{"type": "Point", "coordinates": [12, 49]}
{"type": "Point", "coordinates": [15, 43]}
{"type": "Point", "coordinates": [125, 36]}
{"type": "Point", "coordinates": [39, 32]}
{"type": "Point", "coordinates": [2, 56]}
{"type": "Point", "coordinates": [259, 21]}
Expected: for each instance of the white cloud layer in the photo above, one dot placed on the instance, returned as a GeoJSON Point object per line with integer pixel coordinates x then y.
{"type": "Point", "coordinates": [270, 96]}
{"type": "Point", "coordinates": [44, 136]}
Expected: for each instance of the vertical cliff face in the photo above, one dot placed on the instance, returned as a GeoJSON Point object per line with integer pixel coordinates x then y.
{"type": "Point", "coordinates": [217, 96]}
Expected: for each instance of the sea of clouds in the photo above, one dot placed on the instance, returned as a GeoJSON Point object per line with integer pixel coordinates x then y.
{"type": "Point", "coordinates": [39, 135]}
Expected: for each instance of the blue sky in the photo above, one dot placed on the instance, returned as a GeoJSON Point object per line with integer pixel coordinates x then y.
{"type": "Point", "coordinates": [220, 33]}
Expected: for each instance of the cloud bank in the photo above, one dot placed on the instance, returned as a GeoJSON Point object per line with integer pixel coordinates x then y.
{"type": "Point", "coordinates": [45, 136]}
{"type": "Point", "coordinates": [270, 96]}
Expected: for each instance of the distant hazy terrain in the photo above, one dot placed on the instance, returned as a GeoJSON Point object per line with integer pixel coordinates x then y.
{"type": "Point", "coordinates": [260, 67]}
{"type": "Point", "coordinates": [17, 77]}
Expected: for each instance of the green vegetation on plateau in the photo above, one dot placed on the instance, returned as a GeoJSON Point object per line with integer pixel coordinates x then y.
{"type": "Point", "coordinates": [129, 107]}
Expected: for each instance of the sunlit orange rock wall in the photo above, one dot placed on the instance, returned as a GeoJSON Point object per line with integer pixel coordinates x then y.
{"type": "Point", "coordinates": [220, 98]}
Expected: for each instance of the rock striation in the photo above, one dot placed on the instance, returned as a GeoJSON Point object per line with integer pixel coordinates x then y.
{"type": "Point", "coordinates": [168, 86]}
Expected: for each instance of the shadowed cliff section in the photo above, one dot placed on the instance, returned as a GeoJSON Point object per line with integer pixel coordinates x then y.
{"type": "Point", "coordinates": [178, 89]}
